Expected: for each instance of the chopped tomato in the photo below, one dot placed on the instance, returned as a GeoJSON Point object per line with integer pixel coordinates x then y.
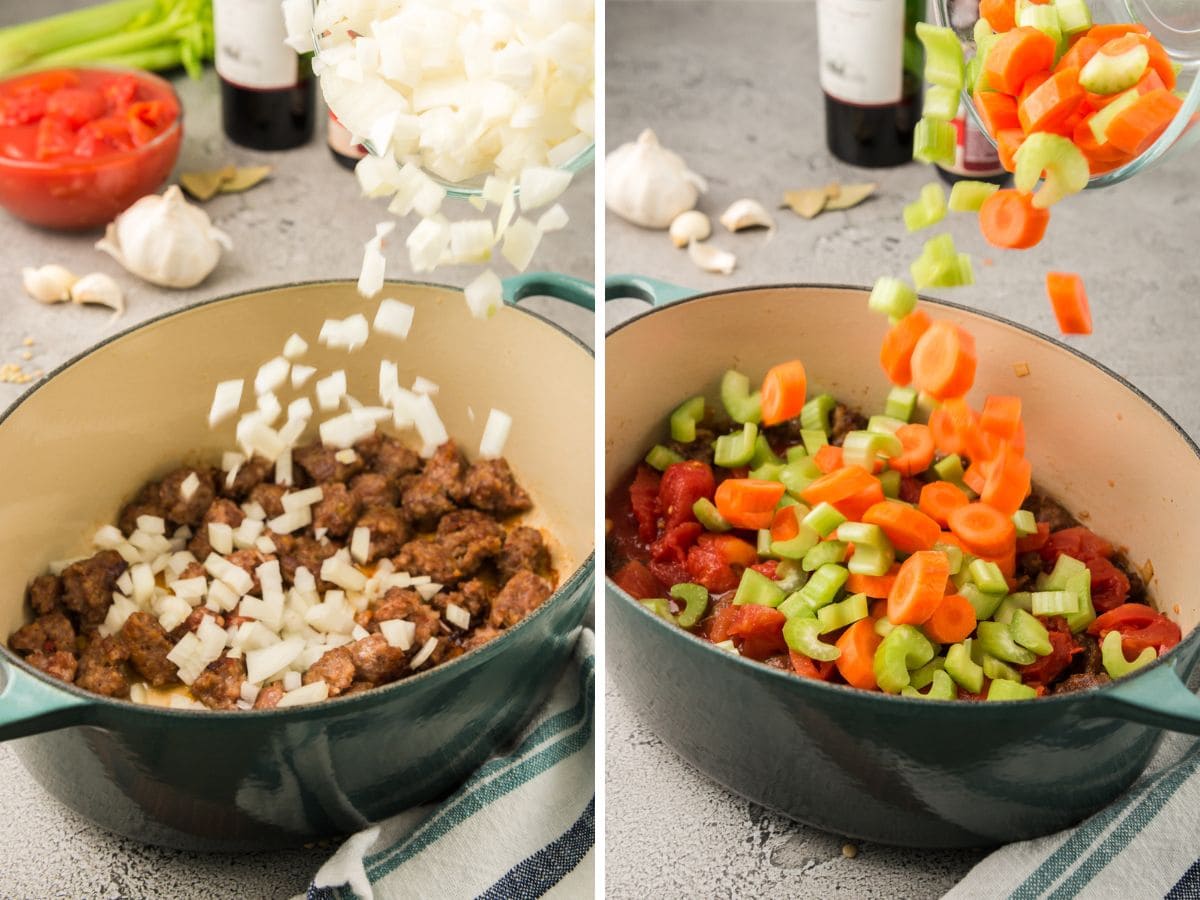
{"type": "Point", "coordinates": [1077, 542]}
{"type": "Point", "coordinates": [1110, 586]}
{"type": "Point", "coordinates": [769, 568]}
{"type": "Point", "coordinates": [1140, 627]}
{"type": "Point", "coordinates": [1063, 648]}
{"type": "Point", "coordinates": [102, 136]}
{"type": "Point", "coordinates": [77, 106]}
{"type": "Point", "coordinates": [54, 138]}
{"type": "Point", "coordinates": [673, 545]}
{"type": "Point", "coordinates": [809, 668]}
{"type": "Point", "coordinates": [758, 631]}
{"type": "Point", "coordinates": [643, 501]}
{"type": "Point", "coordinates": [719, 621]}
{"type": "Point", "coordinates": [681, 486]}
{"type": "Point", "coordinates": [1035, 541]}
{"type": "Point", "coordinates": [22, 109]}
{"type": "Point", "coordinates": [717, 561]}
{"type": "Point", "coordinates": [638, 581]}
{"type": "Point", "coordinates": [669, 571]}
{"type": "Point", "coordinates": [148, 119]}
{"type": "Point", "coordinates": [121, 91]}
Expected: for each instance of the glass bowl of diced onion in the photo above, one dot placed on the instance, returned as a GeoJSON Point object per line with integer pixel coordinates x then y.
{"type": "Point", "coordinates": [1175, 23]}
{"type": "Point", "coordinates": [454, 113]}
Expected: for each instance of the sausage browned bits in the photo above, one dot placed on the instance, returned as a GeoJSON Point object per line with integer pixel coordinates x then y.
{"type": "Point", "coordinates": [446, 570]}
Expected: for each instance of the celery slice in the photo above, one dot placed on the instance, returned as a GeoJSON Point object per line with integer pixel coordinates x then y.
{"type": "Point", "coordinates": [934, 141]}
{"type": "Point", "coordinates": [824, 519]}
{"type": "Point", "coordinates": [813, 440]}
{"type": "Point", "coordinates": [1064, 567]}
{"type": "Point", "coordinates": [763, 544]}
{"type": "Point", "coordinates": [756, 588]}
{"type": "Point", "coordinates": [1074, 16]}
{"type": "Point", "coordinates": [1028, 632]}
{"type": "Point", "coordinates": [941, 265]}
{"type": "Point", "coordinates": [763, 454]}
{"type": "Point", "coordinates": [742, 405]}
{"type": "Point", "coordinates": [790, 577]}
{"type": "Point", "coordinates": [997, 670]}
{"type": "Point", "coordinates": [988, 577]}
{"type": "Point", "coordinates": [796, 476]}
{"type": "Point", "coordinates": [928, 209]}
{"type": "Point", "coordinates": [1045, 19]}
{"type": "Point", "coordinates": [901, 651]}
{"type": "Point", "coordinates": [967, 673]}
{"type": "Point", "coordinates": [1054, 603]}
{"type": "Point", "coordinates": [1099, 121]}
{"type": "Point", "coordinates": [1056, 159]}
{"type": "Point", "coordinates": [985, 605]}
{"type": "Point", "coordinates": [1025, 523]}
{"type": "Point", "coordinates": [873, 552]}
{"type": "Point", "coordinates": [1112, 654]}
{"type": "Point", "coordinates": [865, 448]}
{"type": "Point", "coordinates": [921, 678]}
{"type": "Point", "coordinates": [941, 688]}
{"type": "Point", "coordinates": [797, 605]}
{"type": "Point", "coordinates": [695, 600]}
{"type": "Point", "coordinates": [822, 588]}
{"type": "Point", "coordinates": [1000, 689]}
{"type": "Point", "coordinates": [707, 515]}
{"type": "Point", "coordinates": [795, 453]}
{"type": "Point", "coordinates": [943, 56]}
{"type": "Point", "coordinates": [803, 636]}
{"type": "Point", "coordinates": [684, 419]}
{"type": "Point", "coordinates": [796, 547]}
{"type": "Point", "coordinates": [814, 415]}
{"type": "Point", "coordinates": [941, 102]}
{"type": "Point", "coordinates": [839, 615]}
{"type": "Point", "coordinates": [889, 480]}
{"type": "Point", "coordinates": [825, 553]}
{"type": "Point", "coordinates": [1080, 585]}
{"type": "Point", "coordinates": [767, 472]}
{"type": "Point", "coordinates": [968, 196]}
{"type": "Point", "coordinates": [954, 555]}
{"type": "Point", "coordinates": [892, 297]}
{"type": "Point", "coordinates": [996, 639]}
{"type": "Point", "coordinates": [660, 457]}
{"type": "Point", "coordinates": [883, 626]}
{"type": "Point", "coordinates": [660, 607]}
{"type": "Point", "coordinates": [901, 403]}
{"type": "Point", "coordinates": [1105, 74]}
{"type": "Point", "coordinates": [731, 451]}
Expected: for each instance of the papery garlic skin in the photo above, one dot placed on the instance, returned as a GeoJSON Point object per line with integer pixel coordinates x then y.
{"type": "Point", "coordinates": [48, 284]}
{"type": "Point", "coordinates": [649, 185]}
{"type": "Point", "coordinates": [165, 240]}
{"type": "Point", "coordinates": [100, 289]}
{"type": "Point", "coordinates": [689, 226]}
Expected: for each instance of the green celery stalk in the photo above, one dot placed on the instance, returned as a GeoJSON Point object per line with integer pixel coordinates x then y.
{"type": "Point", "coordinates": [21, 45]}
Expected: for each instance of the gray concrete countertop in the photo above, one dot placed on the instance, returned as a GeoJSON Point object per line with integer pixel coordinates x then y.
{"type": "Point", "coordinates": [306, 223]}
{"type": "Point", "coordinates": [732, 87]}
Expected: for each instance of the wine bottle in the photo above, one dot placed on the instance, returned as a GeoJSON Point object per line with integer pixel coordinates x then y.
{"type": "Point", "coordinates": [268, 97]}
{"type": "Point", "coordinates": [341, 143]}
{"type": "Point", "coordinates": [870, 73]}
{"type": "Point", "coordinates": [975, 157]}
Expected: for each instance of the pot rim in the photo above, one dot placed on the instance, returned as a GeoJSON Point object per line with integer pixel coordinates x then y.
{"type": "Point", "coordinates": [582, 573]}
{"type": "Point", "coordinates": [871, 696]}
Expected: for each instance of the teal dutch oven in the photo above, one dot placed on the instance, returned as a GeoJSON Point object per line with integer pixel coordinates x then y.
{"type": "Point", "coordinates": [891, 769]}
{"type": "Point", "coordinates": [72, 451]}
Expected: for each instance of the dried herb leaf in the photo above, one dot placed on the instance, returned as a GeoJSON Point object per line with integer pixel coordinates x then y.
{"type": "Point", "coordinates": [806, 202]}
{"type": "Point", "coordinates": [204, 185]}
{"type": "Point", "coordinates": [1021, 369]}
{"type": "Point", "coordinates": [850, 195]}
{"type": "Point", "coordinates": [244, 179]}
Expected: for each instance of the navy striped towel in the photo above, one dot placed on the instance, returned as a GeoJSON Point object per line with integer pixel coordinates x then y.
{"type": "Point", "coordinates": [523, 826]}
{"type": "Point", "coordinates": [1144, 845]}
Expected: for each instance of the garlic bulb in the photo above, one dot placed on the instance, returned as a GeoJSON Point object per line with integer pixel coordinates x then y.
{"type": "Point", "coordinates": [648, 184]}
{"type": "Point", "coordinates": [692, 225]}
{"type": "Point", "coordinates": [165, 240]}
{"type": "Point", "coordinates": [48, 284]}
{"type": "Point", "coordinates": [100, 289]}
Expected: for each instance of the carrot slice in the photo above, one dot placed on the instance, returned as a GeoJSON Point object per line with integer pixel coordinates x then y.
{"type": "Point", "coordinates": [1049, 104]}
{"type": "Point", "coordinates": [1136, 128]}
{"type": "Point", "coordinates": [939, 499]}
{"type": "Point", "coordinates": [856, 663]}
{"type": "Point", "coordinates": [952, 621]}
{"type": "Point", "coordinates": [783, 391]}
{"type": "Point", "coordinates": [976, 476]}
{"type": "Point", "coordinates": [1150, 81]}
{"type": "Point", "coordinates": [1008, 480]}
{"type": "Point", "coordinates": [1001, 416]}
{"type": "Point", "coordinates": [874, 586]}
{"type": "Point", "coordinates": [748, 502]}
{"type": "Point", "coordinates": [879, 607]}
{"type": "Point", "coordinates": [917, 456]}
{"type": "Point", "coordinates": [1068, 297]}
{"type": "Point", "coordinates": [854, 506]}
{"type": "Point", "coordinates": [1079, 54]}
{"type": "Point", "coordinates": [785, 525]}
{"type": "Point", "coordinates": [943, 362]}
{"type": "Point", "coordinates": [1100, 157]}
{"type": "Point", "coordinates": [1000, 14]}
{"type": "Point", "coordinates": [846, 489]}
{"type": "Point", "coordinates": [998, 111]}
{"type": "Point", "coordinates": [896, 353]}
{"type": "Point", "coordinates": [828, 458]}
{"type": "Point", "coordinates": [919, 588]}
{"type": "Point", "coordinates": [1111, 31]}
{"type": "Point", "coordinates": [908, 529]}
{"type": "Point", "coordinates": [1008, 142]}
{"type": "Point", "coordinates": [1009, 219]}
{"type": "Point", "coordinates": [1160, 62]}
{"type": "Point", "coordinates": [983, 530]}
{"type": "Point", "coordinates": [1015, 56]}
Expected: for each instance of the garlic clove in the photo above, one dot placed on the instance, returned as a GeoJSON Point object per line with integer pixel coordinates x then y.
{"type": "Point", "coordinates": [99, 289]}
{"type": "Point", "coordinates": [711, 259]}
{"type": "Point", "coordinates": [689, 226]}
{"type": "Point", "coordinates": [746, 214]}
{"type": "Point", "coordinates": [48, 284]}
{"type": "Point", "coordinates": [649, 185]}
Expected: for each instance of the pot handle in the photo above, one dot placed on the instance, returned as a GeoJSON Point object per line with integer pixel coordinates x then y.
{"type": "Point", "coordinates": [29, 705]}
{"type": "Point", "coordinates": [1157, 697]}
{"type": "Point", "coordinates": [550, 284]}
{"type": "Point", "coordinates": [650, 290]}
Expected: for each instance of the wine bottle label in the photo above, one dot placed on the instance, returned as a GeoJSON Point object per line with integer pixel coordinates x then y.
{"type": "Point", "coordinates": [974, 154]}
{"type": "Point", "coordinates": [250, 51]}
{"type": "Point", "coordinates": [341, 141]}
{"type": "Point", "coordinates": [861, 47]}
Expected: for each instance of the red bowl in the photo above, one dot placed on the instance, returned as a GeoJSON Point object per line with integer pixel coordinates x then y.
{"type": "Point", "coordinates": [78, 194]}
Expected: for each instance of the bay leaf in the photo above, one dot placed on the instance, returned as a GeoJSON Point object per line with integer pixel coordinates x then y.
{"type": "Point", "coordinates": [850, 195]}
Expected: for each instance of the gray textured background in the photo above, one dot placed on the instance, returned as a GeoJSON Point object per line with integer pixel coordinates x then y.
{"type": "Point", "coordinates": [307, 222]}
{"type": "Point", "coordinates": [732, 87]}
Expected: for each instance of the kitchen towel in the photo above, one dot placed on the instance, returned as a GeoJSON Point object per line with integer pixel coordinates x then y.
{"type": "Point", "coordinates": [1146, 844]}
{"type": "Point", "coordinates": [523, 826]}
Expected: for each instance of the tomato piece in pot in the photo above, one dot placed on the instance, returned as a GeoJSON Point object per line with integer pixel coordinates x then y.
{"type": "Point", "coordinates": [1140, 627]}
{"type": "Point", "coordinates": [54, 138]}
{"type": "Point", "coordinates": [717, 561]}
{"type": "Point", "coordinates": [682, 485]}
{"type": "Point", "coordinates": [758, 631]}
{"type": "Point", "coordinates": [808, 668]}
{"type": "Point", "coordinates": [669, 571]}
{"type": "Point", "coordinates": [121, 91]}
{"type": "Point", "coordinates": [643, 501]}
{"type": "Point", "coordinates": [769, 568]}
{"type": "Point", "coordinates": [674, 544]}
{"type": "Point", "coordinates": [1077, 542]}
{"type": "Point", "coordinates": [148, 119]}
{"type": "Point", "coordinates": [77, 106]}
{"type": "Point", "coordinates": [1035, 541]}
{"type": "Point", "coordinates": [635, 579]}
{"type": "Point", "coordinates": [720, 619]}
{"type": "Point", "coordinates": [103, 136]}
{"type": "Point", "coordinates": [1063, 649]}
{"type": "Point", "coordinates": [1110, 586]}
{"type": "Point", "coordinates": [22, 109]}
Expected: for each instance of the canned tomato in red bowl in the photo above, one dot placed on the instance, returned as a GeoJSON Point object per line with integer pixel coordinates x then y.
{"type": "Point", "coordinates": [79, 145]}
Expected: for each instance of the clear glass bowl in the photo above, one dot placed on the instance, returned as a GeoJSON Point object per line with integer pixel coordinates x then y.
{"type": "Point", "coordinates": [1176, 23]}
{"type": "Point", "coordinates": [465, 190]}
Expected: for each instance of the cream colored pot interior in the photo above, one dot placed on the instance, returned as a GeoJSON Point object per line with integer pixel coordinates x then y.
{"type": "Point", "coordinates": [1096, 446]}
{"type": "Point", "coordinates": [132, 410]}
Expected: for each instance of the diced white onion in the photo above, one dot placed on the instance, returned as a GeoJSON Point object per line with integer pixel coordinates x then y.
{"type": "Point", "coordinates": [345, 430]}
{"type": "Point", "coordinates": [189, 486]}
{"type": "Point", "coordinates": [283, 468]}
{"type": "Point", "coordinates": [291, 521]}
{"type": "Point", "coordinates": [294, 347]}
{"type": "Point", "coordinates": [428, 589]}
{"type": "Point", "coordinates": [429, 425]}
{"type": "Point", "coordinates": [226, 400]}
{"type": "Point", "coordinates": [398, 633]}
{"type": "Point", "coordinates": [291, 680]}
{"type": "Point", "coordinates": [394, 318]}
{"type": "Point", "coordinates": [249, 688]}
{"type": "Point", "coordinates": [222, 569]}
{"type": "Point", "coordinates": [346, 457]}
{"type": "Point", "coordinates": [190, 588]}
{"type": "Point", "coordinates": [360, 544]}
{"type": "Point", "coordinates": [152, 524]}
{"type": "Point", "coordinates": [345, 334]}
{"type": "Point", "coordinates": [107, 537]}
{"type": "Point", "coordinates": [300, 375]}
{"type": "Point", "coordinates": [427, 242]}
{"type": "Point", "coordinates": [309, 693]}
{"type": "Point", "coordinates": [520, 243]}
{"type": "Point", "coordinates": [359, 633]}
{"type": "Point", "coordinates": [485, 294]}
{"type": "Point", "coordinates": [495, 434]}
{"type": "Point", "coordinates": [143, 583]}
{"type": "Point", "coordinates": [339, 571]}
{"type": "Point", "coordinates": [271, 375]}
{"type": "Point", "coordinates": [553, 219]}
{"type": "Point", "coordinates": [541, 185]}
{"type": "Point", "coordinates": [295, 500]}
{"type": "Point", "coordinates": [220, 536]}
{"type": "Point", "coordinates": [456, 615]}
{"type": "Point", "coordinates": [262, 664]}
{"type": "Point", "coordinates": [330, 391]}
{"type": "Point", "coordinates": [424, 653]}
{"type": "Point", "coordinates": [125, 583]}
{"type": "Point", "coordinates": [172, 612]}
{"type": "Point", "coordinates": [422, 385]}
